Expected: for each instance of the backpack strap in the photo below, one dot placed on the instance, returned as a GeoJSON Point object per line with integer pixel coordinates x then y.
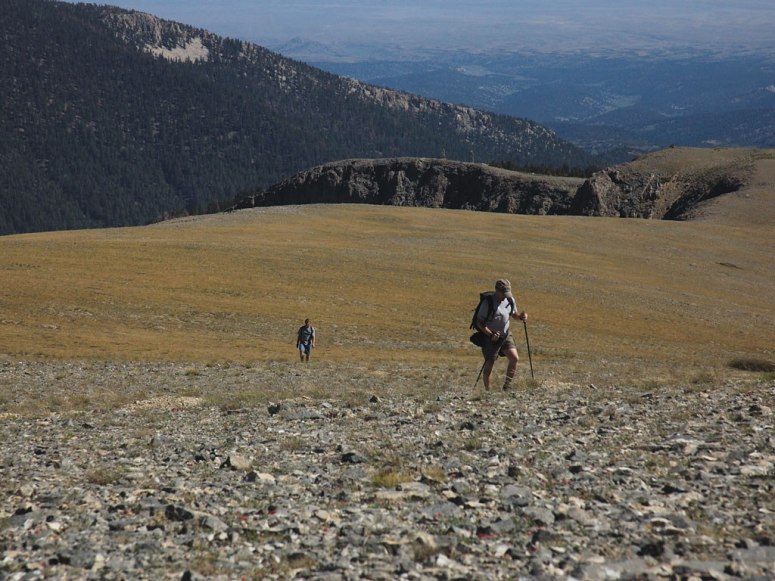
{"type": "Point", "coordinates": [490, 298]}
{"type": "Point", "coordinates": [513, 305]}
{"type": "Point", "coordinates": [490, 306]}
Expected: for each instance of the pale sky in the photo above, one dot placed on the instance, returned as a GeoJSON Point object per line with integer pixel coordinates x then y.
{"type": "Point", "coordinates": [483, 24]}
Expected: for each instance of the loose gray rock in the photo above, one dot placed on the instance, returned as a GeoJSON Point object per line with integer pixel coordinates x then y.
{"type": "Point", "coordinates": [557, 482]}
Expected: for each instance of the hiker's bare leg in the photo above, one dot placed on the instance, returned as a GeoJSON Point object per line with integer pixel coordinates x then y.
{"type": "Point", "coordinates": [511, 369]}
{"type": "Point", "coordinates": [487, 372]}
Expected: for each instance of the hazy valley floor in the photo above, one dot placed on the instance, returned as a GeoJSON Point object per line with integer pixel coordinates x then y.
{"type": "Point", "coordinates": [333, 471]}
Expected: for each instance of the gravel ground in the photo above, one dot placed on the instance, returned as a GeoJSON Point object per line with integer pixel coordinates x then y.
{"type": "Point", "coordinates": [547, 481]}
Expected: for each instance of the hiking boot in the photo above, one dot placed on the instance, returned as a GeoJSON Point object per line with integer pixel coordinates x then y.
{"type": "Point", "coordinates": [507, 385]}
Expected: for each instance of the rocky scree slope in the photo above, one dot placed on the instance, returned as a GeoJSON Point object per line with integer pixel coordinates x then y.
{"type": "Point", "coordinates": [561, 481]}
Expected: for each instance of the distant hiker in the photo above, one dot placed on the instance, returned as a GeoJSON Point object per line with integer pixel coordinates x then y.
{"type": "Point", "coordinates": [492, 318]}
{"type": "Point", "coordinates": [305, 340]}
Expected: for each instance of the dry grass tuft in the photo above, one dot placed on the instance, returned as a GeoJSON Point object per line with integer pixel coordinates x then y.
{"type": "Point", "coordinates": [390, 478]}
{"type": "Point", "coordinates": [434, 473]}
{"type": "Point", "coordinates": [237, 399]}
{"type": "Point", "coordinates": [105, 476]}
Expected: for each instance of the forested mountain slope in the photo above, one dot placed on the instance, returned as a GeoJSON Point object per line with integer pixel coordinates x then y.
{"type": "Point", "coordinates": [113, 117]}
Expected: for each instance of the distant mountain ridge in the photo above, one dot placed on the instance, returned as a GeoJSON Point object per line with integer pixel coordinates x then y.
{"type": "Point", "coordinates": [671, 184]}
{"type": "Point", "coordinates": [619, 103]}
{"type": "Point", "coordinates": [112, 117]}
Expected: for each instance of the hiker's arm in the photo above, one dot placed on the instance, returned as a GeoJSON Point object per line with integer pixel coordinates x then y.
{"type": "Point", "coordinates": [481, 325]}
{"type": "Point", "coordinates": [521, 316]}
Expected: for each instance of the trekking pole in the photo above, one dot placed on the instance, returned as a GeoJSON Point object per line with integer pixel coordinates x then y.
{"type": "Point", "coordinates": [529, 356]}
{"type": "Point", "coordinates": [480, 371]}
{"type": "Point", "coordinates": [497, 353]}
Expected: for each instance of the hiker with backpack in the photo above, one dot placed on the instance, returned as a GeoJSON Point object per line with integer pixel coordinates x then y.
{"type": "Point", "coordinates": [491, 321]}
{"type": "Point", "coordinates": [305, 340]}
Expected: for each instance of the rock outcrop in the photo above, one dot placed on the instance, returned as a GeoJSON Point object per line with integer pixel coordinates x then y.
{"type": "Point", "coordinates": [672, 184]}
{"type": "Point", "coordinates": [432, 183]}
{"type": "Point", "coordinates": [669, 184]}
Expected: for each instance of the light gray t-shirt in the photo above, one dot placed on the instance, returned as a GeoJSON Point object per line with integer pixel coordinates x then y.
{"type": "Point", "coordinates": [499, 322]}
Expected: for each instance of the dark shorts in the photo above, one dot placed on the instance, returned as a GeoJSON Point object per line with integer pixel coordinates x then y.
{"type": "Point", "coordinates": [488, 351]}
{"type": "Point", "coordinates": [305, 348]}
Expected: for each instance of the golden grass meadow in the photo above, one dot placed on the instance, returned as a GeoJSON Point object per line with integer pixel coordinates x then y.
{"type": "Point", "coordinates": [608, 299]}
